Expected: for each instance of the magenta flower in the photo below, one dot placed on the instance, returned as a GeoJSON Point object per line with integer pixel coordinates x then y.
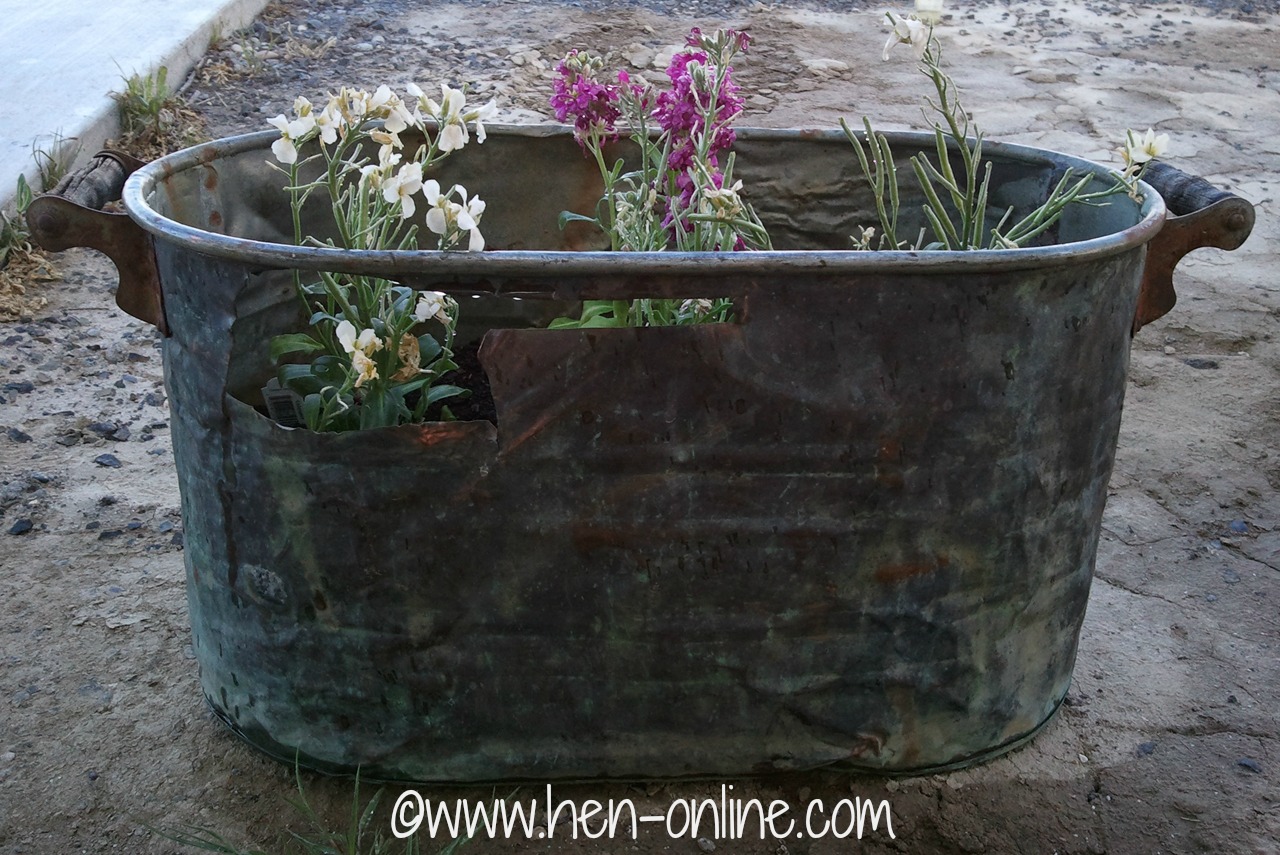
{"type": "Point", "coordinates": [683, 112]}
{"type": "Point", "coordinates": [578, 96]}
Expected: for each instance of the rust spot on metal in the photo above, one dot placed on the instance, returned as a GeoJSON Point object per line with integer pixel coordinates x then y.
{"type": "Point", "coordinates": [215, 220]}
{"type": "Point", "coordinates": [210, 179]}
{"type": "Point", "coordinates": [889, 464]}
{"type": "Point", "coordinates": [893, 574]}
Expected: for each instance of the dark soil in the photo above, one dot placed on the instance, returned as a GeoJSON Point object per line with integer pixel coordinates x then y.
{"type": "Point", "coordinates": [470, 375]}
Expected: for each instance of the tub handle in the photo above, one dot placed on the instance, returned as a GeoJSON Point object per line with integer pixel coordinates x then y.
{"type": "Point", "coordinates": [1199, 215]}
{"type": "Point", "coordinates": [71, 215]}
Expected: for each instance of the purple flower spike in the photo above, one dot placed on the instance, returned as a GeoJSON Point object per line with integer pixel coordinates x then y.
{"type": "Point", "coordinates": [581, 98]}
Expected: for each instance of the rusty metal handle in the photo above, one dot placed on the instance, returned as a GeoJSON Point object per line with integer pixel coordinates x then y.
{"type": "Point", "coordinates": [1199, 215]}
{"type": "Point", "coordinates": [96, 184]}
{"type": "Point", "coordinates": [71, 215]}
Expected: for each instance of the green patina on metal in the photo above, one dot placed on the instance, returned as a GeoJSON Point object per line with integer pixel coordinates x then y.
{"type": "Point", "coordinates": [855, 529]}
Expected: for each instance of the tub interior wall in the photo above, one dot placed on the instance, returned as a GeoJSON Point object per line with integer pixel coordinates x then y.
{"type": "Point", "coordinates": [809, 193]}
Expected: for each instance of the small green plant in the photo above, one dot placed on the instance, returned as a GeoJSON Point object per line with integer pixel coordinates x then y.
{"type": "Point", "coordinates": [216, 34]}
{"type": "Point", "coordinates": [956, 200]}
{"type": "Point", "coordinates": [154, 119]}
{"type": "Point", "coordinates": [359, 838]}
{"type": "Point", "coordinates": [54, 161]}
{"type": "Point", "coordinates": [143, 103]}
{"type": "Point", "coordinates": [14, 237]}
{"type": "Point", "coordinates": [252, 57]}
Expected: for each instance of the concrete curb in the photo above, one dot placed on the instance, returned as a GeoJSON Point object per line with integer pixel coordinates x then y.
{"type": "Point", "coordinates": [66, 55]}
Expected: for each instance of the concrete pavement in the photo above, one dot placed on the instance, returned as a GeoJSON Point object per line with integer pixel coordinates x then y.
{"type": "Point", "coordinates": [62, 59]}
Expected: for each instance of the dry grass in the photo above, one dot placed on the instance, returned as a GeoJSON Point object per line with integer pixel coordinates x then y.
{"type": "Point", "coordinates": [27, 269]}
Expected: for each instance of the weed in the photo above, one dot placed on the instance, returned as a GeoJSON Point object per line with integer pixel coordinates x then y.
{"type": "Point", "coordinates": [359, 838]}
{"type": "Point", "coordinates": [14, 237]}
{"type": "Point", "coordinates": [143, 103]}
{"type": "Point", "coordinates": [253, 60]}
{"type": "Point", "coordinates": [153, 119]}
{"type": "Point", "coordinates": [216, 35]}
{"type": "Point", "coordinates": [54, 162]}
{"type": "Point", "coordinates": [295, 47]}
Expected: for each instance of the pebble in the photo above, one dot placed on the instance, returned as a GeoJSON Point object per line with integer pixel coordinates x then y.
{"type": "Point", "coordinates": [1250, 764]}
{"type": "Point", "coordinates": [8, 757]}
{"type": "Point", "coordinates": [1239, 526]}
{"type": "Point", "coordinates": [1198, 362]}
{"type": "Point", "coordinates": [364, 47]}
{"type": "Point", "coordinates": [1170, 350]}
{"type": "Point", "coordinates": [108, 460]}
{"type": "Point", "coordinates": [825, 66]}
{"type": "Point", "coordinates": [1146, 748]}
{"type": "Point", "coordinates": [18, 436]}
{"type": "Point", "coordinates": [1231, 577]}
{"type": "Point", "coordinates": [706, 844]}
{"type": "Point", "coordinates": [21, 386]}
{"type": "Point", "coordinates": [103, 429]}
{"type": "Point", "coordinates": [21, 527]}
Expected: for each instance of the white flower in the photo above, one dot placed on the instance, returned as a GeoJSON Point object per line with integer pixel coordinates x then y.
{"type": "Point", "coordinates": [402, 187]}
{"type": "Point", "coordinates": [366, 343]}
{"type": "Point", "coordinates": [448, 116]}
{"type": "Point", "coordinates": [1144, 149]}
{"type": "Point", "coordinates": [330, 122]}
{"type": "Point", "coordinates": [441, 208]}
{"type": "Point", "coordinates": [723, 202]}
{"type": "Point", "coordinates": [907, 31]}
{"type": "Point", "coordinates": [291, 132]}
{"type": "Point", "coordinates": [353, 106]}
{"type": "Point", "coordinates": [451, 116]}
{"type": "Point", "coordinates": [699, 307]}
{"type": "Point", "coordinates": [431, 304]}
{"type": "Point", "coordinates": [366, 369]}
{"type": "Point", "coordinates": [469, 220]}
{"type": "Point", "coordinates": [449, 219]}
{"type": "Point", "coordinates": [387, 106]}
{"type": "Point", "coordinates": [929, 11]}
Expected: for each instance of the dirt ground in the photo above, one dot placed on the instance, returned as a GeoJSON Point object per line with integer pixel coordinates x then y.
{"type": "Point", "coordinates": [1170, 740]}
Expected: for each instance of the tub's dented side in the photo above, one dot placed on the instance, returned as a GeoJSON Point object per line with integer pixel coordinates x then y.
{"type": "Point", "coordinates": [856, 530]}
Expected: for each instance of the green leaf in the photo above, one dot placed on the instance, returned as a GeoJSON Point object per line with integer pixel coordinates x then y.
{"type": "Point", "coordinates": [293, 343]}
{"type": "Point", "coordinates": [428, 349]}
{"type": "Point", "coordinates": [312, 409]}
{"type": "Point", "coordinates": [300, 379]}
{"type": "Point", "coordinates": [411, 386]}
{"type": "Point", "coordinates": [567, 217]}
{"type": "Point", "coordinates": [323, 316]}
{"type": "Point", "coordinates": [331, 369]}
{"type": "Point", "coordinates": [439, 393]}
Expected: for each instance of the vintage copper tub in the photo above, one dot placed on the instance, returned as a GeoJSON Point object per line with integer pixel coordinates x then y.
{"type": "Point", "coordinates": [855, 529]}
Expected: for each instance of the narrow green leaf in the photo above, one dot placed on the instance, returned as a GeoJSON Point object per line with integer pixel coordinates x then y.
{"type": "Point", "coordinates": [293, 343]}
